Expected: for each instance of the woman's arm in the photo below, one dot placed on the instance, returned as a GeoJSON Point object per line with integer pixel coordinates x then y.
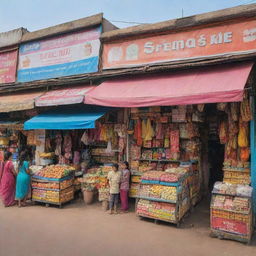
{"type": "Point", "coordinates": [13, 169]}
{"type": "Point", "coordinates": [26, 165]}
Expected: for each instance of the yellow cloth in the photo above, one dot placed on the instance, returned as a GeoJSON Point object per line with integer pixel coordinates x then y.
{"type": "Point", "coordinates": [143, 129]}
{"type": "Point", "coordinates": [114, 181]}
{"type": "Point", "coordinates": [149, 131]}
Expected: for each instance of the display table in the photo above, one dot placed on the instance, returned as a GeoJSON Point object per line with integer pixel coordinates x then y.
{"type": "Point", "coordinates": [53, 185]}
{"type": "Point", "coordinates": [231, 212]}
{"type": "Point", "coordinates": [162, 200]}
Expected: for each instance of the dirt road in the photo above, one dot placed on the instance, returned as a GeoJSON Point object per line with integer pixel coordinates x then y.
{"type": "Point", "coordinates": [88, 231]}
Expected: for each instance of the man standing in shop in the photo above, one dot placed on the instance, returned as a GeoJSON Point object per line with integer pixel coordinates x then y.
{"type": "Point", "coordinates": [114, 179]}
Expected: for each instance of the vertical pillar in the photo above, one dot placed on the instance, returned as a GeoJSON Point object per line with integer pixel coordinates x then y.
{"type": "Point", "coordinates": [253, 151]}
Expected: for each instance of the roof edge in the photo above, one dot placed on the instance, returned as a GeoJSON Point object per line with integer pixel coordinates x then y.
{"type": "Point", "coordinates": [64, 28]}
{"type": "Point", "coordinates": [243, 11]}
{"type": "Point", "coordinates": [12, 37]}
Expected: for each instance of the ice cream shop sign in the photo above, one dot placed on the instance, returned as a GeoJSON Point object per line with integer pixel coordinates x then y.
{"type": "Point", "coordinates": [212, 41]}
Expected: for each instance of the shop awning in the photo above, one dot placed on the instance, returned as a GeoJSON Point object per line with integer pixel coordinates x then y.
{"type": "Point", "coordinates": [17, 102]}
{"type": "Point", "coordinates": [66, 118]}
{"type": "Point", "coordinates": [63, 97]}
{"type": "Point", "coordinates": [222, 83]}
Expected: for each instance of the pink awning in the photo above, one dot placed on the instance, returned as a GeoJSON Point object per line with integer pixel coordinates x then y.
{"type": "Point", "coordinates": [68, 96]}
{"type": "Point", "coordinates": [222, 83]}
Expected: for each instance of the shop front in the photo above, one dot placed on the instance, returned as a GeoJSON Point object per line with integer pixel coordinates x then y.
{"type": "Point", "coordinates": [187, 130]}
{"type": "Point", "coordinates": [78, 139]}
{"type": "Point", "coordinates": [191, 131]}
{"type": "Point", "coordinates": [189, 135]}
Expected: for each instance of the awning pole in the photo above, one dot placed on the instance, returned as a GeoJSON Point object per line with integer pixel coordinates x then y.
{"type": "Point", "coordinates": [253, 152]}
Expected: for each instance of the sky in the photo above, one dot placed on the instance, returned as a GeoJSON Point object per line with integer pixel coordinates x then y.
{"type": "Point", "coordinates": [38, 14]}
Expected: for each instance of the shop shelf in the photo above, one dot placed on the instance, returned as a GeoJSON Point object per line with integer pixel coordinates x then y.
{"type": "Point", "coordinates": [223, 194]}
{"type": "Point", "coordinates": [156, 218]}
{"type": "Point", "coordinates": [157, 199]}
{"type": "Point", "coordinates": [52, 189]}
{"type": "Point", "coordinates": [244, 170]}
{"type": "Point", "coordinates": [44, 179]}
{"type": "Point", "coordinates": [160, 160]}
{"type": "Point", "coordinates": [232, 211]}
{"type": "Point", "coordinates": [169, 184]}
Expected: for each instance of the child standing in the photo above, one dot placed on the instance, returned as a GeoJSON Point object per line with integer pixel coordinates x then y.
{"type": "Point", "coordinates": [124, 187]}
{"type": "Point", "coordinates": [114, 179]}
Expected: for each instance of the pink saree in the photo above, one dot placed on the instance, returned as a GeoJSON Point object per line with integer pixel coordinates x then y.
{"type": "Point", "coordinates": [7, 183]}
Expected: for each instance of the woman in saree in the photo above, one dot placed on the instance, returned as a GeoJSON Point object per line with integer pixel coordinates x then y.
{"type": "Point", "coordinates": [7, 182]}
{"type": "Point", "coordinates": [23, 179]}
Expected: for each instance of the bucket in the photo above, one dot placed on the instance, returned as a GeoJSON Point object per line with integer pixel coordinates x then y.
{"type": "Point", "coordinates": [88, 196]}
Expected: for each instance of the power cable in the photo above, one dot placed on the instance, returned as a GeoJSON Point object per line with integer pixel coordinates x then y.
{"type": "Point", "coordinates": [128, 22]}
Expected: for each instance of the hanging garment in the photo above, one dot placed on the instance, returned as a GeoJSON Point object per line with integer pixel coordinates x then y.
{"type": "Point", "coordinates": [58, 142]}
{"type": "Point", "coordinates": [143, 129]}
{"type": "Point", "coordinates": [174, 141]}
{"type": "Point", "coordinates": [159, 131]}
{"type": "Point", "coordinates": [109, 147]}
{"type": "Point", "coordinates": [243, 135]}
{"type": "Point", "coordinates": [139, 133]}
{"type": "Point", "coordinates": [85, 138]}
{"type": "Point", "coordinates": [149, 131]}
{"type": "Point", "coordinates": [223, 132]}
{"type": "Point", "coordinates": [245, 110]}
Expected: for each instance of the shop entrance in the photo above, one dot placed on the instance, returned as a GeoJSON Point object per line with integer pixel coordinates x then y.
{"type": "Point", "coordinates": [216, 159]}
{"type": "Point", "coordinates": [215, 150]}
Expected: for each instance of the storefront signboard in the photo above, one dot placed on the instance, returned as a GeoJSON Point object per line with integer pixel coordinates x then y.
{"type": "Point", "coordinates": [231, 226]}
{"type": "Point", "coordinates": [8, 63]}
{"type": "Point", "coordinates": [65, 55]}
{"type": "Point", "coordinates": [234, 38]}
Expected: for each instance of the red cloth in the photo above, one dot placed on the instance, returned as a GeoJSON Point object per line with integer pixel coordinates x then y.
{"type": "Point", "coordinates": [139, 133]}
{"type": "Point", "coordinates": [124, 199]}
{"type": "Point", "coordinates": [7, 186]}
{"type": "Point", "coordinates": [174, 141]}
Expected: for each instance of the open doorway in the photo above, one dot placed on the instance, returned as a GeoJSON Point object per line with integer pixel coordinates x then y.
{"type": "Point", "coordinates": [215, 150]}
{"type": "Point", "coordinates": [216, 159]}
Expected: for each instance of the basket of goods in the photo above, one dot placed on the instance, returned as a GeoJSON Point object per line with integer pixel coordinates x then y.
{"type": "Point", "coordinates": [55, 172]}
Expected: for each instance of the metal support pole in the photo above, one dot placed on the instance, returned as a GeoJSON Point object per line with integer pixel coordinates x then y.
{"type": "Point", "coordinates": [253, 152]}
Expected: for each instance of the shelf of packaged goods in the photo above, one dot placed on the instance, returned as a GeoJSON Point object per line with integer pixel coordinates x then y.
{"type": "Point", "coordinates": [154, 148]}
{"type": "Point", "coordinates": [50, 202]}
{"type": "Point", "coordinates": [223, 194]}
{"type": "Point", "coordinates": [46, 180]}
{"type": "Point", "coordinates": [168, 161]}
{"type": "Point", "coordinates": [102, 155]}
{"type": "Point", "coordinates": [52, 189]}
{"type": "Point", "coordinates": [155, 182]}
{"type": "Point", "coordinates": [156, 218]}
{"type": "Point", "coordinates": [243, 170]}
{"type": "Point", "coordinates": [231, 211]}
{"type": "Point", "coordinates": [157, 200]}
{"type": "Point", "coordinates": [46, 202]}
{"type": "Point", "coordinates": [160, 160]}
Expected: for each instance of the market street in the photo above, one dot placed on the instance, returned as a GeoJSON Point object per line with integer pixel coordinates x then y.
{"type": "Point", "coordinates": [87, 230]}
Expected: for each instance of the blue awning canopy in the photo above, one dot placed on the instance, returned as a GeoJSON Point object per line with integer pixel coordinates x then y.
{"type": "Point", "coordinates": [82, 117]}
